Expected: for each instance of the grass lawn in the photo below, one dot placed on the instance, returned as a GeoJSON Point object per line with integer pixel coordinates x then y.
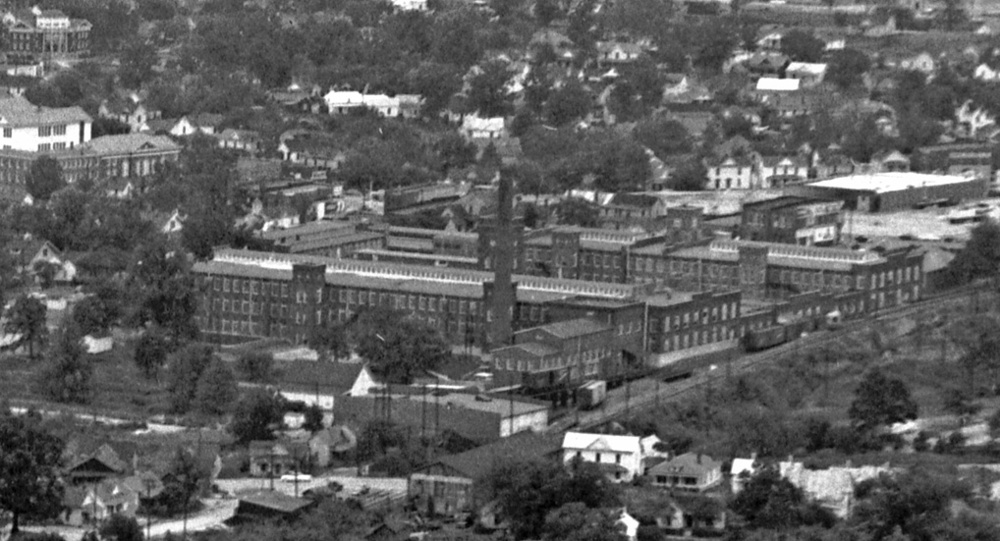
{"type": "Point", "coordinates": [119, 389]}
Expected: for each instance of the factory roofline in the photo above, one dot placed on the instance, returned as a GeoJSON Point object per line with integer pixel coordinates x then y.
{"type": "Point", "coordinates": [888, 182]}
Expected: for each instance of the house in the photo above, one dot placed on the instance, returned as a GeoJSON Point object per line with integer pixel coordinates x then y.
{"type": "Point", "coordinates": [733, 172]}
{"type": "Point", "coordinates": [613, 52]}
{"type": "Point", "coordinates": [771, 42]}
{"type": "Point", "coordinates": [680, 90]}
{"type": "Point", "coordinates": [973, 121]}
{"type": "Point", "coordinates": [629, 524]}
{"type": "Point", "coordinates": [93, 461]}
{"type": "Point", "coordinates": [676, 513]}
{"type": "Point", "coordinates": [774, 84]}
{"type": "Point", "coordinates": [410, 5]}
{"type": "Point", "coordinates": [766, 64]}
{"type": "Point", "coordinates": [809, 74]}
{"type": "Point", "coordinates": [741, 471]}
{"type": "Point", "coordinates": [832, 488]}
{"type": "Point", "coordinates": [119, 188]}
{"type": "Point", "coordinates": [984, 72]}
{"type": "Point", "coordinates": [455, 484]}
{"type": "Point", "coordinates": [128, 110]}
{"type": "Point", "coordinates": [619, 457]}
{"type": "Point", "coordinates": [776, 171]}
{"type": "Point", "coordinates": [627, 211]}
{"type": "Point", "coordinates": [922, 62]}
{"type": "Point", "coordinates": [30, 254]}
{"type": "Point", "coordinates": [331, 442]}
{"type": "Point", "coordinates": [207, 123]}
{"type": "Point", "coordinates": [273, 459]}
{"type": "Point", "coordinates": [339, 102]}
{"type": "Point", "coordinates": [311, 149]}
{"type": "Point", "coordinates": [96, 503]}
{"type": "Point", "coordinates": [173, 224]}
{"type": "Point", "coordinates": [476, 128]}
{"type": "Point", "coordinates": [269, 506]}
{"type": "Point", "coordinates": [693, 472]}
{"type": "Point", "coordinates": [247, 141]}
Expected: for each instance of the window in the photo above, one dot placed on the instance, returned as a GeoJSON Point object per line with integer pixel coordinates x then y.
{"type": "Point", "coordinates": [44, 131]}
{"type": "Point", "coordinates": [59, 130]}
{"type": "Point", "coordinates": [597, 457]}
{"type": "Point", "coordinates": [8, 133]}
{"type": "Point", "coordinates": [44, 147]}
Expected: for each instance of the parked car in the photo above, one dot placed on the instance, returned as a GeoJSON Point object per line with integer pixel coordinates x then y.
{"type": "Point", "coordinates": [292, 477]}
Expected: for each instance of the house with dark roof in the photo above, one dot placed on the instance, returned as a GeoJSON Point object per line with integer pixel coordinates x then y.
{"type": "Point", "coordinates": [128, 110]}
{"type": "Point", "coordinates": [628, 211]}
{"type": "Point", "coordinates": [92, 460]}
{"type": "Point", "coordinates": [454, 484]}
{"type": "Point", "coordinates": [269, 505]}
{"type": "Point", "coordinates": [676, 513]}
{"type": "Point", "coordinates": [693, 472]}
{"type": "Point", "coordinates": [272, 459]}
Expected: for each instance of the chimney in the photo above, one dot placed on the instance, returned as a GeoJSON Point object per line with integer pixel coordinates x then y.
{"type": "Point", "coordinates": [753, 456]}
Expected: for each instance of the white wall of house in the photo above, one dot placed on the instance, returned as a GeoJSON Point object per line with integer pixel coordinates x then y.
{"type": "Point", "coordinates": [632, 462]}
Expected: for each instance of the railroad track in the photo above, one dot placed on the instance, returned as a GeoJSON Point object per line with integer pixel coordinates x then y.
{"type": "Point", "coordinates": [671, 392]}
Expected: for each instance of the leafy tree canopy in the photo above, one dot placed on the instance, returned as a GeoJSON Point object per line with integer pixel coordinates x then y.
{"type": "Point", "coordinates": [880, 400]}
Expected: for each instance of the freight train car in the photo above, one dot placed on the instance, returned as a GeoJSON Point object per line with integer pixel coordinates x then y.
{"type": "Point", "coordinates": [591, 394]}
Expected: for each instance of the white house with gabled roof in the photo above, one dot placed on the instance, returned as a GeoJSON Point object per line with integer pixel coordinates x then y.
{"type": "Point", "coordinates": [620, 457]}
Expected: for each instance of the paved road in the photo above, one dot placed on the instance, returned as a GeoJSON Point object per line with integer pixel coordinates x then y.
{"type": "Point", "coordinates": [352, 484]}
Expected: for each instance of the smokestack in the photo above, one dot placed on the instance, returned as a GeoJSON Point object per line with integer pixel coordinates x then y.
{"type": "Point", "coordinates": [501, 235]}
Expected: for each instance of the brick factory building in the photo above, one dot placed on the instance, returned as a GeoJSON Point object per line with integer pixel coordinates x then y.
{"type": "Point", "coordinates": [793, 220]}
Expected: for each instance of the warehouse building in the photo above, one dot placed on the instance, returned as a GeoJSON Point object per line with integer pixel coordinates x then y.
{"type": "Point", "coordinates": [888, 192]}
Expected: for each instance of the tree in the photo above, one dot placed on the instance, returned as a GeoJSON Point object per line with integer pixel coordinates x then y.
{"type": "Point", "coordinates": [256, 366]}
{"type": "Point", "coordinates": [121, 528]}
{"type": "Point", "coordinates": [953, 15]}
{"type": "Point", "coordinates": [846, 68]}
{"type": "Point", "coordinates": [151, 353]}
{"type": "Point", "coordinates": [257, 414]}
{"type": "Point", "coordinates": [216, 389]}
{"type": "Point", "coordinates": [528, 491]}
{"type": "Point", "coordinates": [454, 151]}
{"type": "Point", "coordinates": [802, 46]}
{"type": "Point", "coordinates": [546, 11]}
{"type": "Point", "coordinates": [330, 341]}
{"type": "Point", "coordinates": [46, 272]}
{"type": "Point", "coordinates": [567, 103]}
{"type": "Point", "coordinates": [66, 378]}
{"type": "Point", "coordinates": [664, 136]}
{"type": "Point", "coordinates": [980, 258]}
{"type": "Point", "coordinates": [957, 402]}
{"type": "Point", "coordinates": [30, 469]}
{"type": "Point", "coordinates": [45, 177]}
{"type": "Point", "coordinates": [916, 503]}
{"type": "Point", "coordinates": [880, 401]}
{"type": "Point", "coordinates": [768, 500]}
{"type": "Point", "coordinates": [92, 315]}
{"type": "Point", "coordinates": [186, 368]}
{"type": "Point", "coordinates": [314, 419]}
{"type": "Point", "coordinates": [577, 522]}
{"type": "Point", "coordinates": [27, 318]}
{"type": "Point", "coordinates": [575, 211]}
{"type": "Point", "coordinates": [488, 89]}
{"type": "Point", "coordinates": [137, 61]}
{"type": "Point", "coordinates": [691, 175]}
{"type": "Point", "coordinates": [398, 347]}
